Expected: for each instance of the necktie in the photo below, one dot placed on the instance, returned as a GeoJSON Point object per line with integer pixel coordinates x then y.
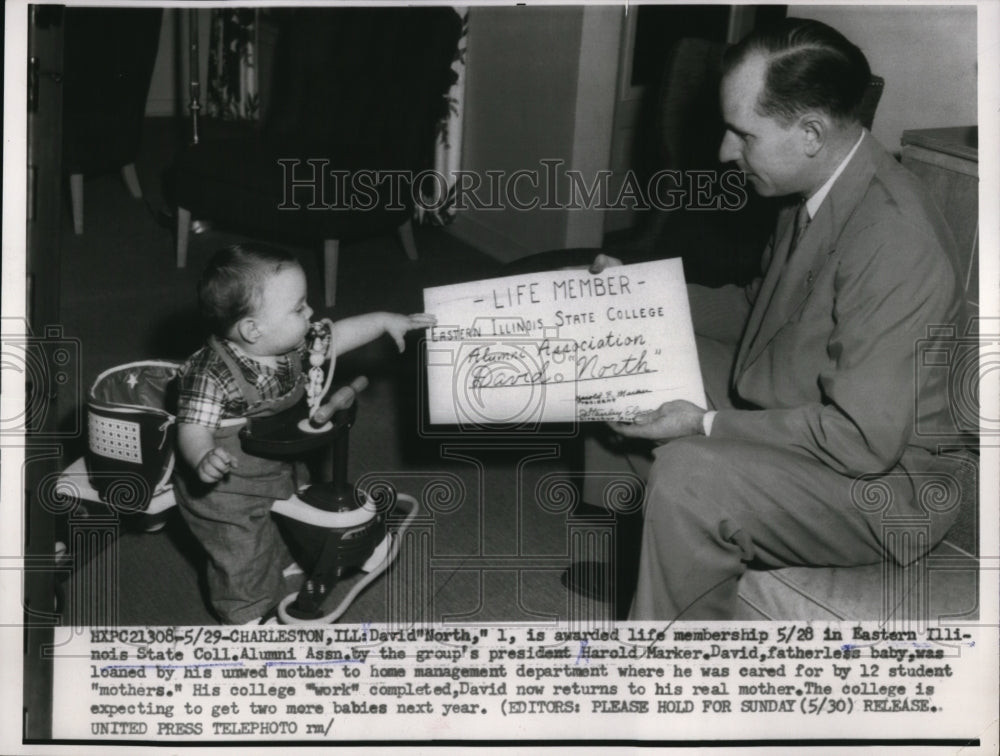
{"type": "Point", "coordinates": [799, 227]}
{"type": "Point", "coordinates": [770, 285]}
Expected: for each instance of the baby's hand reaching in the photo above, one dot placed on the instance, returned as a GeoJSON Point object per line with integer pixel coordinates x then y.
{"type": "Point", "coordinates": [215, 465]}
{"type": "Point", "coordinates": [397, 325]}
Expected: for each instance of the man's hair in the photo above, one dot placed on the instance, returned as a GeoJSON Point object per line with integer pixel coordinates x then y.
{"type": "Point", "coordinates": [810, 66]}
{"type": "Point", "coordinates": [230, 287]}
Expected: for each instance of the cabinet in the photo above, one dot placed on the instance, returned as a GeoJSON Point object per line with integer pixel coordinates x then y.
{"type": "Point", "coordinates": [947, 161]}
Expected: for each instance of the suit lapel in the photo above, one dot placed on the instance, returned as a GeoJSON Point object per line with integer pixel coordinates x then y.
{"type": "Point", "coordinates": [782, 241]}
{"type": "Point", "coordinates": [786, 286]}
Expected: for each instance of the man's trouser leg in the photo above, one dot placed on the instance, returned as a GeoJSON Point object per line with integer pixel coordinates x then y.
{"type": "Point", "coordinates": [605, 465]}
{"type": "Point", "coordinates": [614, 479]}
{"type": "Point", "coordinates": [712, 505]}
{"type": "Point", "coordinates": [718, 316]}
{"type": "Point", "coordinates": [612, 469]}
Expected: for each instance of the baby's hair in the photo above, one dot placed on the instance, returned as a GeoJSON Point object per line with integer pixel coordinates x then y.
{"type": "Point", "coordinates": [230, 287]}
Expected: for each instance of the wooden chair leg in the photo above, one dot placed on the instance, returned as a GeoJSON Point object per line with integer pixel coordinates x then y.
{"type": "Point", "coordinates": [76, 197]}
{"type": "Point", "coordinates": [405, 234]}
{"type": "Point", "coordinates": [183, 230]}
{"type": "Point", "coordinates": [331, 255]}
{"type": "Point", "coordinates": [131, 179]}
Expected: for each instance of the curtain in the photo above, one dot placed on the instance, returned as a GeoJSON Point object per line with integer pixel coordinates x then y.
{"type": "Point", "coordinates": [436, 210]}
{"type": "Point", "coordinates": [232, 65]}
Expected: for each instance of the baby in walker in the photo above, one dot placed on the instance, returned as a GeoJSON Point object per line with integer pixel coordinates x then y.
{"type": "Point", "coordinates": [253, 300]}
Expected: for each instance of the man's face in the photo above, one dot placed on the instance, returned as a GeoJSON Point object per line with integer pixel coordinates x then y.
{"type": "Point", "coordinates": [766, 150]}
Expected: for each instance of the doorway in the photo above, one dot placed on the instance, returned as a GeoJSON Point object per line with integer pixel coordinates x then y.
{"type": "Point", "coordinates": [648, 34]}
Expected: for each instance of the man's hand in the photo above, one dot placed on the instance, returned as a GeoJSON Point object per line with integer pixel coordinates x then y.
{"type": "Point", "coordinates": [603, 261]}
{"type": "Point", "coordinates": [215, 465]}
{"type": "Point", "coordinates": [670, 420]}
{"type": "Point", "coordinates": [397, 325]}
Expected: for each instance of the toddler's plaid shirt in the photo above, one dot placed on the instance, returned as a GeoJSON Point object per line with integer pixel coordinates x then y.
{"type": "Point", "coordinates": [208, 392]}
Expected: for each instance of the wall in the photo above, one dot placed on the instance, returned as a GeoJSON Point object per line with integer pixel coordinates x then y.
{"type": "Point", "coordinates": [162, 100]}
{"type": "Point", "coordinates": [539, 86]}
{"type": "Point", "coordinates": [594, 114]}
{"type": "Point", "coordinates": [927, 56]}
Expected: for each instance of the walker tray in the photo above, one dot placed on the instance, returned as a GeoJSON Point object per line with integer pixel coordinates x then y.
{"type": "Point", "coordinates": [280, 435]}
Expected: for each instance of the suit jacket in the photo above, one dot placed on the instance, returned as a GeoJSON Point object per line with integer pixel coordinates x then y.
{"type": "Point", "coordinates": [829, 354]}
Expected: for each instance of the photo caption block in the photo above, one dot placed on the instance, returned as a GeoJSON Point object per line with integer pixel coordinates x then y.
{"type": "Point", "coordinates": [325, 683]}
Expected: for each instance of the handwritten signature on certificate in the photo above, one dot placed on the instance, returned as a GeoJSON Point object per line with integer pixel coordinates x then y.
{"type": "Point", "coordinates": [561, 346]}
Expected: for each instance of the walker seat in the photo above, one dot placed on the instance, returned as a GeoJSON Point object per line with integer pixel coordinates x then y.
{"type": "Point", "coordinates": [131, 431]}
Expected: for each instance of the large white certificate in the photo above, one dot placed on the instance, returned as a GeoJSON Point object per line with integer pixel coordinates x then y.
{"type": "Point", "coordinates": [561, 346]}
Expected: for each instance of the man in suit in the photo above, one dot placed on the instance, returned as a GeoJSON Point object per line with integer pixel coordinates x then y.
{"type": "Point", "coordinates": [811, 372]}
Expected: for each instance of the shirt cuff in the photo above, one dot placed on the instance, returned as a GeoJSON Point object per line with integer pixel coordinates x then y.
{"type": "Point", "coordinates": [706, 421]}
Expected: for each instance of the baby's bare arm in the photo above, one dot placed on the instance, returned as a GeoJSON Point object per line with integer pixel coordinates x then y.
{"type": "Point", "coordinates": [198, 448]}
{"type": "Point", "coordinates": [351, 333]}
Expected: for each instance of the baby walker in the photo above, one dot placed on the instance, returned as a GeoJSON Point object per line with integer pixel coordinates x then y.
{"type": "Point", "coordinates": [334, 529]}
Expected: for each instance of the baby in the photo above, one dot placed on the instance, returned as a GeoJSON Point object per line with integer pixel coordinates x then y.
{"type": "Point", "coordinates": [253, 299]}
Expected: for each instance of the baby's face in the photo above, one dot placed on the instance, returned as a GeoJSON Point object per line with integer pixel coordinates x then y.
{"type": "Point", "coordinates": [283, 314]}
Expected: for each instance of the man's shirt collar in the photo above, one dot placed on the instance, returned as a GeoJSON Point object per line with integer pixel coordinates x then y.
{"type": "Point", "coordinates": [813, 203]}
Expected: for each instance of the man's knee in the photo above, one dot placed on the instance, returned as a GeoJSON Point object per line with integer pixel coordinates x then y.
{"type": "Point", "coordinates": [679, 475]}
{"type": "Point", "coordinates": [614, 477]}
{"type": "Point", "coordinates": [687, 460]}
{"type": "Point", "coordinates": [693, 491]}
{"type": "Point", "coordinates": [700, 473]}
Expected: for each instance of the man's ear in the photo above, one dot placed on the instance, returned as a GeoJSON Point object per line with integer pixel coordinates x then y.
{"type": "Point", "coordinates": [815, 130]}
{"type": "Point", "coordinates": [248, 330]}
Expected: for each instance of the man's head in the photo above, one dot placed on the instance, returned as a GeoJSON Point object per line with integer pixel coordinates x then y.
{"type": "Point", "coordinates": [791, 95]}
{"type": "Point", "coordinates": [256, 296]}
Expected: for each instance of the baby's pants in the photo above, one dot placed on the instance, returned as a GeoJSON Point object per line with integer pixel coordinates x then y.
{"type": "Point", "coordinates": [246, 553]}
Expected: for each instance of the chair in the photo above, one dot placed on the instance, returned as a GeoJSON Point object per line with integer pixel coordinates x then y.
{"type": "Point", "coordinates": [943, 584]}
{"type": "Point", "coordinates": [108, 63]}
{"type": "Point", "coordinates": [359, 92]}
